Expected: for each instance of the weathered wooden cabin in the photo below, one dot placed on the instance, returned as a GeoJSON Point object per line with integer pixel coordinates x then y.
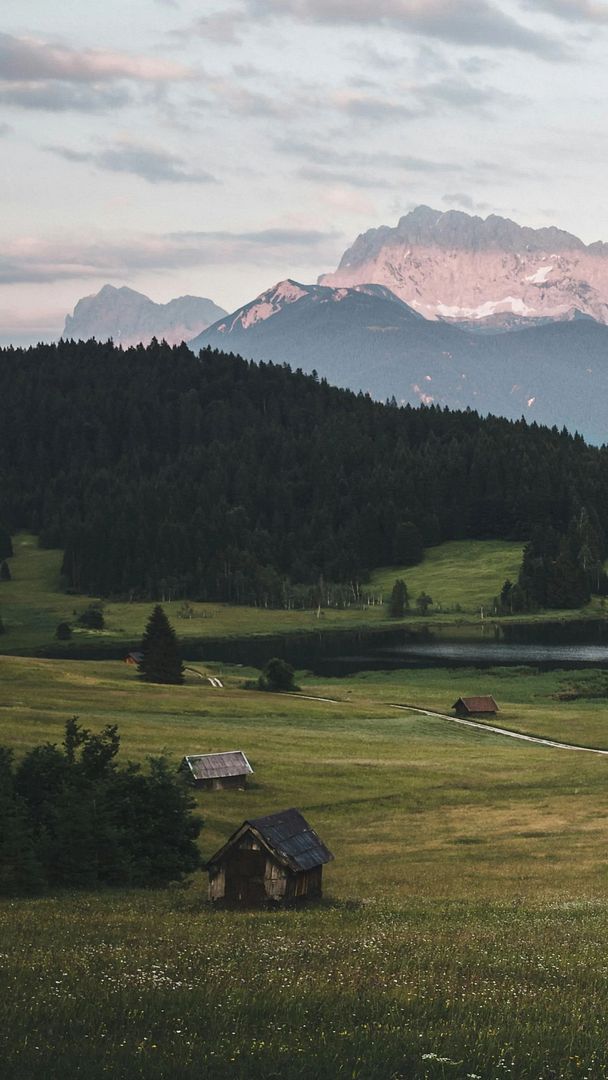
{"type": "Point", "coordinates": [278, 858]}
{"type": "Point", "coordinates": [476, 706]}
{"type": "Point", "coordinates": [213, 772]}
{"type": "Point", "coordinates": [134, 658]}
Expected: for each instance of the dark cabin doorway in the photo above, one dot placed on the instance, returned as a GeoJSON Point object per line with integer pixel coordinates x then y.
{"type": "Point", "coordinates": [245, 873]}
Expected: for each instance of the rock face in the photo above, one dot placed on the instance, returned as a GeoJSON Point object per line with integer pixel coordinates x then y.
{"type": "Point", "coordinates": [129, 317]}
{"type": "Point", "coordinates": [453, 266]}
{"type": "Point", "coordinates": [365, 338]}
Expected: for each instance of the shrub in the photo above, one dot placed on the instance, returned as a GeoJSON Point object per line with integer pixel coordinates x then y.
{"type": "Point", "coordinates": [92, 617]}
{"type": "Point", "coordinates": [277, 675]}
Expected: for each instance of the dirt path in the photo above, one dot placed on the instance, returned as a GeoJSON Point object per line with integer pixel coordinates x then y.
{"type": "Point", "coordinates": [501, 731]}
{"type": "Point", "coordinates": [536, 739]}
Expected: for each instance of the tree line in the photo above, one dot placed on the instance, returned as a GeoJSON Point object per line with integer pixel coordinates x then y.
{"type": "Point", "coordinates": [162, 475]}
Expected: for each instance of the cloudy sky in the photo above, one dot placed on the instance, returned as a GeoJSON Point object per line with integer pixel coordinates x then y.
{"type": "Point", "coordinates": [214, 147]}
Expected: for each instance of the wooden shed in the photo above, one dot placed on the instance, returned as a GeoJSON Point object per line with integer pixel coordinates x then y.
{"type": "Point", "coordinates": [476, 706]}
{"type": "Point", "coordinates": [134, 658]}
{"type": "Point", "coordinates": [213, 772]}
{"type": "Point", "coordinates": [277, 858]}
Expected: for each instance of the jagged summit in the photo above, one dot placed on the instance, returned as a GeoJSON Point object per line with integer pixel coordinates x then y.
{"type": "Point", "coordinates": [129, 317]}
{"type": "Point", "coordinates": [278, 297]}
{"type": "Point", "coordinates": [454, 265]}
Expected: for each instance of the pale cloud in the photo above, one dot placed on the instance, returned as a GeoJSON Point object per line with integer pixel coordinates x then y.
{"type": "Point", "coordinates": [410, 102]}
{"type": "Point", "coordinates": [325, 162]}
{"type": "Point", "coordinates": [35, 260]}
{"type": "Point", "coordinates": [64, 97]}
{"type": "Point", "coordinates": [222, 27]}
{"type": "Point", "coordinates": [234, 98]}
{"type": "Point", "coordinates": [573, 10]}
{"type": "Point", "coordinates": [351, 178]}
{"type": "Point", "coordinates": [371, 107]}
{"type": "Point", "coordinates": [464, 22]}
{"type": "Point", "coordinates": [151, 163]}
{"type": "Point", "coordinates": [347, 201]}
{"type": "Point", "coordinates": [28, 59]}
{"type": "Point", "coordinates": [39, 74]}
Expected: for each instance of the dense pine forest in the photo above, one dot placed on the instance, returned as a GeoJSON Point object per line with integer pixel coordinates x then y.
{"type": "Point", "coordinates": [162, 474]}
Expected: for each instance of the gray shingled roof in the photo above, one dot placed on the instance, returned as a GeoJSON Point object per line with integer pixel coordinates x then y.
{"type": "Point", "coordinates": [211, 766]}
{"type": "Point", "coordinates": [287, 835]}
{"type": "Point", "coordinates": [291, 837]}
{"type": "Point", "coordinates": [484, 703]}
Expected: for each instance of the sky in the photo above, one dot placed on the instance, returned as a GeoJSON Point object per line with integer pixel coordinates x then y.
{"type": "Point", "coordinates": [216, 147]}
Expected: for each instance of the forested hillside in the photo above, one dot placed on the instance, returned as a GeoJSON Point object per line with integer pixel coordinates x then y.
{"type": "Point", "coordinates": [165, 474]}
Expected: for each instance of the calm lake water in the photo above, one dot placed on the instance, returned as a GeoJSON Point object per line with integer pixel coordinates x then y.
{"type": "Point", "coordinates": [546, 645]}
{"type": "Point", "coordinates": [575, 643]}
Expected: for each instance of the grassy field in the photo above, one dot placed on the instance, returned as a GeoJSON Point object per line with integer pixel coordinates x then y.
{"type": "Point", "coordinates": [458, 575]}
{"type": "Point", "coordinates": [463, 928]}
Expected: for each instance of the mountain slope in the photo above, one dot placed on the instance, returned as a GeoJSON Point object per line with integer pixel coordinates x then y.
{"type": "Point", "coordinates": [367, 339]}
{"type": "Point", "coordinates": [455, 266]}
{"type": "Point", "coordinates": [129, 317]}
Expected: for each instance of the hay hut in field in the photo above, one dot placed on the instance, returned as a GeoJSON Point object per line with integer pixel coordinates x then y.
{"type": "Point", "coordinates": [134, 658]}
{"type": "Point", "coordinates": [213, 772]}
{"type": "Point", "coordinates": [476, 706]}
{"type": "Point", "coordinates": [278, 858]}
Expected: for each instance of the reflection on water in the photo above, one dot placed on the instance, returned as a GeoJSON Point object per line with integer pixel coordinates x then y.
{"type": "Point", "coordinates": [501, 653]}
{"type": "Point", "coordinates": [575, 644]}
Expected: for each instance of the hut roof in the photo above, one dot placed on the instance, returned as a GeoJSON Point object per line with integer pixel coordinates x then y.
{"type": "Point", "coordinates": [211, 766]}
{"type": "Point", "coordinates": [288, 836]}
{"type": "Point", "coordinates": [481, 704]}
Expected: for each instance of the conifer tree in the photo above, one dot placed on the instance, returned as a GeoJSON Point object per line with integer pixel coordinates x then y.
{"type": "Point", "coordinates": [6, 546]}
{"type": "Point", "coordinates": [161, 661]}
{"type": "Point", "coordinates": [5, 571]}
{"type": "Point", "coordinates": [399, 602]}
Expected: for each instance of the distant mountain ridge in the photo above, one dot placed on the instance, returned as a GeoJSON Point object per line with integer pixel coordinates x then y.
{"type": "Point", "coordinates": [455, 266]}
{"type": "Point", "coordinates": [366, 338]}
{"type": "Point", "coordinates": [130, 318]}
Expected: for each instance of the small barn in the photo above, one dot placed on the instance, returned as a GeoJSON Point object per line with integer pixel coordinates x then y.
{"type": "Point", "coordinates": [212, 772]}
{"type": "Point", "coordinates": [476, 706]}
{"type": "Point", "coordinates": [134, 658]}
{"type": "Point", "coordinates": [277, 858]}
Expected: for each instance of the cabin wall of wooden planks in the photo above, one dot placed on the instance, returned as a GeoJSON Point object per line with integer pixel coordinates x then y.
{"type": "Point", "coordinates": [219, 783]}
{"type": "Point", "coordinates": [249, 874]}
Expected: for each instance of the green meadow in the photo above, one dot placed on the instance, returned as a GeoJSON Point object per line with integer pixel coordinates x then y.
{"type": "Point", "coordinates": [463, 927]}
{"type": "Point", "coordinates": [461, 576]}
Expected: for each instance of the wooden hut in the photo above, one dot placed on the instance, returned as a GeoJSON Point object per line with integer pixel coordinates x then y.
{"type": "Point", "coordinates": [476, 706]}
{"type": "Point", "coordinates": [276, 858]}
{"type": "Point", "coordinates": [134, 658]}
{"type": "Point", "coordinates": [213, 772]}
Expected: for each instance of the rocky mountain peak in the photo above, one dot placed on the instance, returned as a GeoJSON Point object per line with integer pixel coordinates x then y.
{"type": "Point", "coordinates": [454, 265]}
{"type": "Point", "coordinates": [130, 317]}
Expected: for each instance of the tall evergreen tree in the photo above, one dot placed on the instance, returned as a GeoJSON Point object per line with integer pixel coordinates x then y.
{"type": "Point", "coordinates": [5, 571]}
{"type": "Point", "coordinates": [399, 602]}
{"type": "Point", "coordinates": [20, 869]}
{"type": "Point", "coordinates": [6, 546]}
{"type": "Point", "coordinates": [423, 602]}
{"type": "Point", "coordinates": [161, 661]}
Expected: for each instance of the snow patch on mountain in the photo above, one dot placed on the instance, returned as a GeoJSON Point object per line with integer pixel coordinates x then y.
{"type": "Point", "coordinates": [265, 305]}
{"type": "Point", "coordinates": [540, 276]}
